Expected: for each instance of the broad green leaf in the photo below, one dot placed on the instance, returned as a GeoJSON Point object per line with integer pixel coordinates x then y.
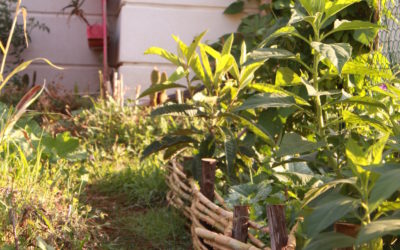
{"type": "Point", "coordinates": [298, 15]}
{"type": "Point", "coordinates": [356, 120]}
{"type": "Point", "coordinates": [284, 31]}
{"type": "Point", "coordinates": [359, 156]}
{"type": "Point", "coordinates": [385, 186]}
{"type": "Point", "coordinates": [268, 88]}
{"type": "Point", "coordinates": [176, 110]}
{"type": "Point", "coordinates": [357, 68]}
{"type": "Point", "coordinates": [329, 241]}
{"type": "Point", "coordinates": [256, 129]}
{"type": "Point", "coordinates": [313, 6]}
{"type": "Point", "coordinates": [226, 49]}
{"type": "Point", "coordinates": [293, 143]}
{"type": "Point", "coordinates": [207, 67]}
{"type": "Point", "coordinates": [234, 71]}
{"type": "Point", "coordinates": [378, 229]}
{"type": "Point", "coordinates": [363, 100]}
{"type": "Point", "coordinates": [243, 53]}
{"type": "Point", "coordinates": [315, 192]}
{"type": "Point", "coordinates": [192, 48]}
{"type": "Point", "coordinates": [337, 53]}
{"type": "Point", "coordinates": [333, 7]}
{"type": "Point", "coordinates": [334, 207]}
{"type": "Point", "coordinates": [201, 97]}
{"type": "Point", "coordinates": [178, 74]}
{"type": "Point", "coordinates": [264, 54]}
{"type": "Point", "coordinates": [182, 48]}
{"type": "Point", "coordinates": [287, 77]}
{"type": "Point", "coordinates": [342, 25]}
{"type": "Point", "coordinates": [197, 68]}
{"type": "Point", "coordinates": [247, 74]}
{"type": "Point", "coordinates": [311, 91]}
{"type": "Point", "coordinates": [365, 37]}
{"type": "Point", "coordinates": [222, 67]}
{"type": "Point", "coordinates": [160, 87]}
{"type": "Point", "coordinates": [235, 8]}
{"type": "Point", "coordinates": [230, 146]}
{"type": "Point", "coordinates": [163, 53]}
{"type": "Point", "coordinates": [166, 142]}
{"type": "Point", "coordinates": [267, 100]}
{"type": "Point", "coordinates": [212, 52]}
{"type": "Point", "coordinates": [63, 144]}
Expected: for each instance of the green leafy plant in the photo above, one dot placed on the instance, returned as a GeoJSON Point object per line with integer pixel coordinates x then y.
{"type": "Point", "coordinates": [221, 124]}
{"type": "Point", "coordinates": [369, 198]}
{"type": "Point", "coordinates": [312, 90]}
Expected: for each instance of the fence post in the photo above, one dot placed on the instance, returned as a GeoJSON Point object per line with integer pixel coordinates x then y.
{"type": "Point", "coordinates": [240, 223]}
{"type": "Point", "coordinates": [208, 167]}
{"type": "Point", "coordinates": [277, 226]}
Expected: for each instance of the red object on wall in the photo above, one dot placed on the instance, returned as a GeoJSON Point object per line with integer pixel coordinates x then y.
{"type": "Point", "coordinates": [95, 35]}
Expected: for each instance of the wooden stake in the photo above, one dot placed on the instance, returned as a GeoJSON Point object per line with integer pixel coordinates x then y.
{"type": "Point", "coordinates": [179, 96]}
{"type": "Point", "coordinates": [115, 88]}
{"type": "Point", "coordinates": [121, 90]}
{"type": "Point", "coordinates": [208, 167]}
{"type": "Point", "coordinates": [207, 184]}
{"type": "Point", "coordinates": [376, 20]}
{"type": "Point", "coordinates": [277, 226]}
{"type": "Point", "coordinates": [240, 223]}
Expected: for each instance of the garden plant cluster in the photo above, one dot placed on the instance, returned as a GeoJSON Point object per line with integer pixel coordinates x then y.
{"type": "Point", "coordinates": [293, 106]}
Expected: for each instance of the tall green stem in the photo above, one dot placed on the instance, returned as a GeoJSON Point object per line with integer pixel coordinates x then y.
{"type": "Point", "coordinates": [318, 106]}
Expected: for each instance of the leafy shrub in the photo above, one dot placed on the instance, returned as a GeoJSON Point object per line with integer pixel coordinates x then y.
{"type": "Point", "coordinates": [311, 124]}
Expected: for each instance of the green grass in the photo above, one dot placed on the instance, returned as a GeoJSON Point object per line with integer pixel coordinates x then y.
{"type": "Point", "coordinates": [107, 200]}
{"type": "Point", "coordinates": [159, 228]}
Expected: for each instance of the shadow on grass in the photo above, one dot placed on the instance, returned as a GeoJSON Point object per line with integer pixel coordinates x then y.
{"type": "Point", "coordinates": [134, 213]}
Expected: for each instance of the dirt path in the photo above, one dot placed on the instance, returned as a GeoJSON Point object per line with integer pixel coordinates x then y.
{"type": "Point", "coordinates": [125, 226]}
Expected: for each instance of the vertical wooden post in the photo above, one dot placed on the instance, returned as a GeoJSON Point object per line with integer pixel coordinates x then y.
{"type": "Point", "coordinates": [115, 87]}
{"type": "Point", "coordinates": [179, 98]}
{"type": "Point", "coordinates": [376, 20]}
{"type": "Point", "coordinates": [208, 167]}
{"type": "Point", "coordinates": [207, 183]}
{"type": "Point", "coordinates": [240, 223]}
{"type": "Point", "coordinates": [277, 226]}
{"type": "Point", "coordinates": [121, 90]}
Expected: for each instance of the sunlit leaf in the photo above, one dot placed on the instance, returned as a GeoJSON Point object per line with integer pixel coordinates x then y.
{"type": "Point", "coordinates": [337, 53]}
{"type": "Point", "coordinates": [385, 186]}
{"type": "Point", "coordinates": [333, 208]}
{"type": "Point", "coordinates": [293, 143]}
{"type": "Point", "coordinates": [379, 228]}
{"type": "Point", "coordinates": [160, 87]}
{"type": "Point", "coordinates": [163, 53]}
{"type": "Point", "coordinates": [329, 240]}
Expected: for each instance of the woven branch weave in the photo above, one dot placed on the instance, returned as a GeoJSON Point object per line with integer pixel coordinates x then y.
{"type": "Point", "coordinates": [185, 195]}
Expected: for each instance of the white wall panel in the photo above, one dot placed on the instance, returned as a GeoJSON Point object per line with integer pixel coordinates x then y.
{"type": "Point", "coordinates": [85, 79]}
{"type": "Point", "coordinates": [139, 31]}
{"type": "Point", "coordinates": [66, 45]}
{"type": "Point", "coordinates": [151, 23]}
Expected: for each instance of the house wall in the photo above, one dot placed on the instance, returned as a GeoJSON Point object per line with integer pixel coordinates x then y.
{"type": "Point", "coordinates": [65, 45]}
{"type": "Point", "coordinates": [134, 25]}
{"type": "Point", "coordinates": [146, 23]}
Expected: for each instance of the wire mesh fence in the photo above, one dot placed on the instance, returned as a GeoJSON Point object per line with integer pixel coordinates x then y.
{"type": "Point", "coordinates": [389, 37]}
